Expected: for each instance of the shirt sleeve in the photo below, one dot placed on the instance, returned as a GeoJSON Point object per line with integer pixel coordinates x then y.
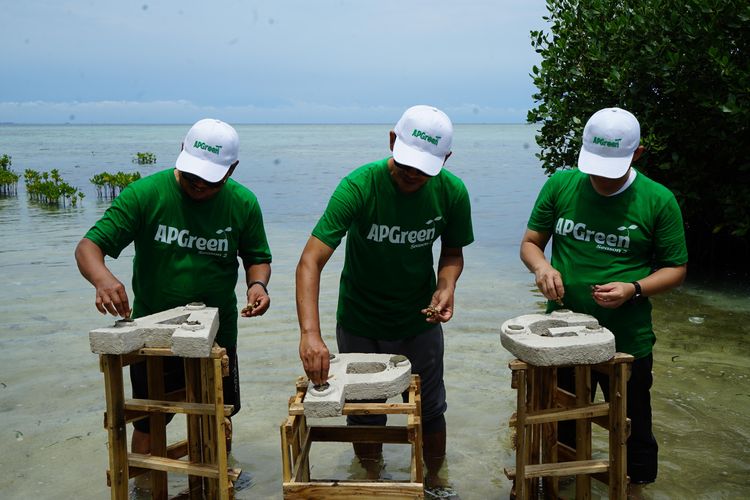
{"type": "Point", "coordinates": [343, 207]}
{"type": "Point", "coordinates": [670, 247]}
{"type": "Point", "coordinates": [119, 224]}
{"type": "Point", "coordinates": [253, 245]}
{"type": "Point", "coordinates": [459, 232]}
{"type": "Point", "coordinates": [542, 218]}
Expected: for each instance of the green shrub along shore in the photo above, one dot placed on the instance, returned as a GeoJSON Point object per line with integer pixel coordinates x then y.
{"type": "Point", "coordinates": [683, 69]}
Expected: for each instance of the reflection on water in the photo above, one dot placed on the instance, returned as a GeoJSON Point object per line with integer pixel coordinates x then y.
{"type": "Point", "coordinates": [51, 390]}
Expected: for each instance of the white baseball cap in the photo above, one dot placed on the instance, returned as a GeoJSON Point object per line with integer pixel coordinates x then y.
{"type": "Point", "coordinates": [610, 138]}
{"type": "Point", "coordinates": [423, 139]}
{"type": "Point", "coordinates": [210, 148]}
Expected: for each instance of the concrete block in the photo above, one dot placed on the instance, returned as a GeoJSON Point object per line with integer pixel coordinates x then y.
{"type": "Point", "coordinates": [558, 339]}
{"type": "Point", "coordinates": [357, 376]}
{"type": "Point", "coordinates": [188, 330]}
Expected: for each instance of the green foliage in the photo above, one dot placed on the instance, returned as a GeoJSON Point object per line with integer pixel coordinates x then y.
{"type": "Point", "coordinates": [683, 68]}
{"type": "Point", "coordinates": [110, 185]}
{"type": "Point", "coordinates": [144, 158]}
{"type": "Point", "coordinates": [50, 188]}
{"type": "Point", "coordinates": [8, 178]}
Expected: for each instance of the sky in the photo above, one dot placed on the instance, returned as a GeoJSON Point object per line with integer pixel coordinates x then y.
{"type": "Point", "coordinates": [265, 61]}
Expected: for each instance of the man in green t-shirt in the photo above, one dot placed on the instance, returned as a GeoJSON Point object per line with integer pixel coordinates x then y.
{"type": "Point", "coordinates": [189, 225]}
{"type": "Point", "coordinates": [390, 301]}
{"type": "Point", "coordinates": [617, 239]}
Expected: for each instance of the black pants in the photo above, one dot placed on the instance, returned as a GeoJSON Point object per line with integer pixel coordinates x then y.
{"type": "Point", "coordinates": [642, 447]}
{"type": "Point", "coordinates": [425, 352]}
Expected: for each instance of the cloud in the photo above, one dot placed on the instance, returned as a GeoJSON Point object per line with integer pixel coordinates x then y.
{"type": "Point", "coordinates": [184, 111]}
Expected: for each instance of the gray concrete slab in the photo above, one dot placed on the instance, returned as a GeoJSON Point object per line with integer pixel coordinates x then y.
{"type": "Point", "coordinates": [558, 339]}
{"type": "Point", "coordinates": [188, 330]}
{"type": "Point", "coordinates": [358, 376]}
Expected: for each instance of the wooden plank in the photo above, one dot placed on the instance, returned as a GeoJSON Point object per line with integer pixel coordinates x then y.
{"type": "Point", "coordinates": [562, 469]}
{"type": "Point", "coordinates": [618, 431]}
{"type": "Point", "coordinates": [221, 428]}
{"type": "Point", "coordinates": [134, 415]}
{"type": "Point", "coordinates": [286, 463]}
{"type": "Point", "coordinates": [414, 420]}
{"type": "Point", "coordinates": [116, 433]}
{"type": "Point", "coordinates": [517, 364]}
{"type": "Point", "coordinates": [300, 471]}
{"type": "Point", "coordinates": [556, 414]}
{"type": "Point", "coordinates": [194, 451]}
{"type": "Point", "coordinates": [548, 430]}
{"type": "Point", "coordinates": [131, 358]}
{"type": "Point", "coordinates": [208, 431]}
{"type": "Point", "coordinates": [171, 465]}
{"type": "Point", "coordinates": [359, 434]}
{"type": "Point", "coordinates": [162, 406]}
{"type": "Point", "coordinates": [363, 408]}
{"type": "Point", "coordinates": [337, 490]}
{"type": "Point", "coordinates": [583, 430]}
{"type": "Point", "coordinates": [157, 425]}
{"type": "Point", "coordinates": [523, 444]}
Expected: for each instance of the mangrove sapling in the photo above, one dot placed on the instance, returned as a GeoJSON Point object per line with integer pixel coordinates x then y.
{"type": "Point", "coordinates": [144, 158]}
{"type": "Point", "coordinates": [50, 188]}
{"type": "Point", "coordinates": [110, 185]}
{"type": "Point", "coordinates": [8, 178]}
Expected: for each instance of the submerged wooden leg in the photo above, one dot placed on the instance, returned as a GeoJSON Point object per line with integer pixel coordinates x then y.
{"type": "Point", "coordinates": [111, 366]}
{"type": "Point", "coordinates": [618, 435]}
{"type": "Point", "coordinates": [523, 447]}
{"type": "Point", "coordinates": [583, 429]}
{"type": "Point", "coordinates": [157, 425]}
{"type": "Point", "coordinates": [195, 451]}
{"type": "Point", "coordinates": [221, 430]}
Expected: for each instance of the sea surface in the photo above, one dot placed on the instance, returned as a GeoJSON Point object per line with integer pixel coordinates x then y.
{"type": "Point", "coordinates": [52, 393]}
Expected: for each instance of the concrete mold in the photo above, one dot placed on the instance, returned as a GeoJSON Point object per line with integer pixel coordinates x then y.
{"type": "Point", "coordinates": [558, 339]}
{"type": "Point", "coordinates": [357, 376]}
{"type": "Point", "coordinates": [189, 331]}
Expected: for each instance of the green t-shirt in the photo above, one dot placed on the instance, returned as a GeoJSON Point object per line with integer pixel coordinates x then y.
{"type": "Point", "coordinates": [185, 250]}
{"type": "Point", "coordinates": [599, 239]}
{"type": "Point", "coordinates": [388, 275]}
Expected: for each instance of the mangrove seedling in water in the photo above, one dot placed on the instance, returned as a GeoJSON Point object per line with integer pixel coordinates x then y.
{"type": "Point", "coordinates": [110, 185]}
{"type": "Point", "coordinates": [50, 188]}
{"type": "Point", "coordinates": [144, 158]}
{"type": "Point", "coordinates": [8, 178]}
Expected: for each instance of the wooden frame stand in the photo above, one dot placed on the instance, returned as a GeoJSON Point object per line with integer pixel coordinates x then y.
{"type": "Point", "coordinates": [541, 404]}
{"type": "Point", "coordinates": [297, 438]}
{"type": "Point", "coordinates": [203, 403]}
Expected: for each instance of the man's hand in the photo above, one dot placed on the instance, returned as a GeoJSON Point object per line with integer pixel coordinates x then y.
{"type": "Point", "coordinates": [440, 309]}
{"type": "Point", "coordinates": [612, 295]}
{"type": "Point", "coordinates": [315, 358]}
{"type": "Point", "coordinates": [257, 276]}
{"type": "Point", "coordinates": [258, 302]}
{"type": "Point", "coordinates": [549, 281]}
{"type": "Point", "coordinates": [112, 298]}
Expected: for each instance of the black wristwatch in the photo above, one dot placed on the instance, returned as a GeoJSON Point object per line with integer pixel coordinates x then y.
{"type": "Point", "coordinates": [258, 282]}
{"type": "Point", "coordinates": [638, 292]}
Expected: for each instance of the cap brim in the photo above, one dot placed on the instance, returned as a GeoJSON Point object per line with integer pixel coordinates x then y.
{"type": "Point", "coordinates": [421, 160]}
{"type": "Point", "coordinates": [204, 169]}
{"type": "Point", "coordinates": [611, 168]}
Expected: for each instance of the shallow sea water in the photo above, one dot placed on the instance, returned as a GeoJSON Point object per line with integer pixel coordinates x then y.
{"type": "Point", "coordinates": [51, 391]}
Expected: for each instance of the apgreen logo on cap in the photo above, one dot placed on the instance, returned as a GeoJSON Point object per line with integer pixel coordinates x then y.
{"type": "Point", "coordinates": [426, 137]}
{"type": "Point", "coordinates": [614, 143]}
{"type": "Point", "coordinates": [211, 149]}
